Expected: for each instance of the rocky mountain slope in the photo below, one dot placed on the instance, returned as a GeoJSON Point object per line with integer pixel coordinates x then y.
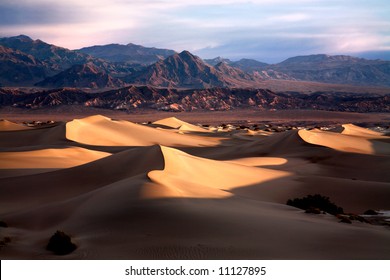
{"type": "Point", "coordinates": [55, 59]}
{"type": "Point", "coordinates": [130, 53]}
{"type": "Point", "coordinates": [83, 76]}
{"type": "Point", "coordinates": [185, 70]}
{"type": "Point", "coordinates": [25, 62]}
{"type": "Point", "coordinates": [146, 97]}
{"type": "Point", "coordinates": [18, 68]}
{"type": "Point", "coordinates": [339, 69]}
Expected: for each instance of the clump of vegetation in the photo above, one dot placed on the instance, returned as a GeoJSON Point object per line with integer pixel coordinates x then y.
{"type": "Point", "coordinates": [345, 220]}
{"type": "Point", "coordinates": [371, 212]}
{"type": "Point", "coordinates": [318, 201]}
{"type": "Point", "coordinates": [3, 224]}
{"type": "Point", "coordinates": [4, 241]}
{"type": "Point", "coordinates": [61, 244]}
{"type": "Point", "coordinates": [312, 210]}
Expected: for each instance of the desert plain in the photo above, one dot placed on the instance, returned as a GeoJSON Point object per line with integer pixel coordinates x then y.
{"type": "Point", "coordinates": [174, 189]}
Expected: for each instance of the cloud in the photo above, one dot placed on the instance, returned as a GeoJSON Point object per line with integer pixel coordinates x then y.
{"type": "Point", "coordinates": [245, 28]}
{"type": "Point", "coordinates": [17, 14]}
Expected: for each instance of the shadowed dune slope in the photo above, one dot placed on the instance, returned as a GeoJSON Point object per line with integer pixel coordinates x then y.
{"type": "Point", "coordinates": [10, 126]}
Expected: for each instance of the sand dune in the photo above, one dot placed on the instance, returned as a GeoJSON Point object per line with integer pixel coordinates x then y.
{"type": "Point", "coordinates": [173, 122]}
{"type": "Point", "coordinates": [49, 158]}
{"type": "Point", "coordinates": [354, 130]}
{"type": "Point", "coordinates": [45, 136]}
{"type": "Point", "coordinates": [99, 130]}
{"type": "Point", "coordinates": [350, 141]}
{"type": "Point", "coordinates": [10, 126]}
{"type": "Point", "coordinates": [189, 176]}
{"type": "Point", "coordinates": [260, 161]}
{"type": "Point", "coordinates": [129, 191]}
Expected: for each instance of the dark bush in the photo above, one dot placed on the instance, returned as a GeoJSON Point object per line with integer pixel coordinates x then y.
{"type": "Point", "coordinates": [345, 220]}
{"type": "Point", "coordinates": [312, 210]}
{"type": "Point", "coordinates": [371, 212]}
{"type": "Point", "coordinates": [5, 241]}
{"type": "Point", "coordinates": [61, 244]}
{"type": "Point", "coordinates": [3, 224]}
{"type": "Point", "coordinates": [316, 201]}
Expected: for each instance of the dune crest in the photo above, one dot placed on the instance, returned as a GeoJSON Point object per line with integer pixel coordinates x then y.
{"type": "Point", "coordinates": [11, 126]}
{"type": "Point", "coordinates": [99, 130]}
{"type": "Point", "coordinates": [190, 176]}
{"type": "Point", "coordinates": [345, 142]}
{"type": "Point", "coordinates": [175, 123]}
{"type": "Point", "coordinates": [354, 130]}
{"type": "Point", "coordinates": [259, 161]}
{"type": "Point", "coordinates": [49, 158]}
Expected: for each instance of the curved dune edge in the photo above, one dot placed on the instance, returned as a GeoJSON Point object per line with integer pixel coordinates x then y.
{"type": "Point", "coordinates": [11, 126]}
{"type": "Point", "coordinates": [259, 161]}
{"type": "Point", "coordinates": [175, 123]}
{"type": "Point", "coordinates": [354, 130]}
{"type": "Point", "coordinates": [102, 131]}
{"type": "Point", "coordinates": [49, 158]}
{"type": "Point", "coordinates": [189, 176]}
{"type": "Point", "coordinates": [345, 142]}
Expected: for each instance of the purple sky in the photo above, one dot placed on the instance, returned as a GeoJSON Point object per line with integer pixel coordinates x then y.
{"type": "Point", "coordinates": [268, 30]}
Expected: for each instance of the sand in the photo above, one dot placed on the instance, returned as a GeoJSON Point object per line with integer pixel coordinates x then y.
{"type": "Point", "coordinates": [176, 190]}
{"type": "Point", "coordinates": [11, 126]}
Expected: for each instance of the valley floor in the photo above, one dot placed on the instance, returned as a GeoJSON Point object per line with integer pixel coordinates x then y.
{"type": "Point", "coordinates": [238, 116]}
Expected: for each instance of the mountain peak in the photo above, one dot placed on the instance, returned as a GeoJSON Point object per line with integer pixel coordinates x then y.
{"type": "Point", "coordinates": [130, 53]}
{"type": "Point", "coordinates": [22, 37]}
{"type": "Point", "coordinates": [186, 54]}
{"type": "Point", "coordinates": [321, 58]}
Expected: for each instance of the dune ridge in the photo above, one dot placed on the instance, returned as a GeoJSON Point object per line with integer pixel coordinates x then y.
{"type": "Point", "coordinates": [11, 126]}
{"type": "Point", "coordinates": [350, 141]}
{"type": "Point", "coordinates": [100, 130]}
{"type": "Point", "coordinates": [173, 190]}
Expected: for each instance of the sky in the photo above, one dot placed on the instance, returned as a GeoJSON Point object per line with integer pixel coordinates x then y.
{"type": "Point", "coordinates": [266, 30]}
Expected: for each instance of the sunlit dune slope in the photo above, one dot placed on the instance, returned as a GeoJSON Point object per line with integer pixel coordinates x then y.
{"type": "Point", "coordinates": [173, 122]}
{"type": "Point", "coordinates": [99, 130]}
{"type": "Point", "coordinates": [348, 142]}
{"type": "Point", "coordinates": [49, 158]}
{"type": "Point", "coordinates": [189, 176]}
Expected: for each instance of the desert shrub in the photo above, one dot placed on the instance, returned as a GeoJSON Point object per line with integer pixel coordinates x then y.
{"type": "Point", "coordinates": [345, 220]}
{"type": "Point", "coordinates": [312, 210]}
{"type": "Point", "coordinates": [4, 241]}
{"type": "Point", "coordinates": [61, 244]}
{"type": "Point", "coordinates": [370, 212]}
{"type": "Point", "coordinates": [316, 201]}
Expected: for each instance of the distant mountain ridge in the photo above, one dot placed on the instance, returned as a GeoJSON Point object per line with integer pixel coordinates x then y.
{"type": "Point", "coordinates": [26, 62]}
{"type": "Point", "coordinates": [130, 53]}
{"type": "Point", "coordinates": [83, 76]}
{"type": "Point", "coordinates": [18, 68]}
{"type": "Point", "coordinates": [170, 99]}
{"type": "Point", "coordinates": [185, 70]}
{"type": "Point", "coordinates": [338, 69]}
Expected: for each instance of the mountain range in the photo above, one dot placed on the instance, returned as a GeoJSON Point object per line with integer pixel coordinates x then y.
{"type": "Point", "coordinates": [27, 62]}
{"type": "Point", "coordinates": [213, 99]}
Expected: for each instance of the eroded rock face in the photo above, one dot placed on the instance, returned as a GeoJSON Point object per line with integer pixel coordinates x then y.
{"type": "Point", "coordinates": [136, 97]}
